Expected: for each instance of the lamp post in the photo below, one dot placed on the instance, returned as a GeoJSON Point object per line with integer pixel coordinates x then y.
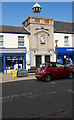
{"type": "Point", "coordinates": [56, 49]}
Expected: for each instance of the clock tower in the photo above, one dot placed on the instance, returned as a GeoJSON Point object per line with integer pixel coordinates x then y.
{"type": "Point", "coordinates": [41, 37]}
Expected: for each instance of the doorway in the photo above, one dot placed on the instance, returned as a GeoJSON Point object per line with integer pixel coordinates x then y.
{"type": "Point", "coordinates": [38, 60]}
{"type": "Point", "coordinates": [47, 58]}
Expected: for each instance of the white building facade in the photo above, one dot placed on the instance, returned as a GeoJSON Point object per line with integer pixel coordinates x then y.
{"type": "Point", "coordinates": [14, 48]}
{"type": "Point", "coordinates": [63, 33]}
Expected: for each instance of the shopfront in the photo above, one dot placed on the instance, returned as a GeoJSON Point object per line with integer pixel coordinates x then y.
{"type": "Point", "coordinates": [64, 54]}
{"type": "Point", "coordinates": [13, 59]}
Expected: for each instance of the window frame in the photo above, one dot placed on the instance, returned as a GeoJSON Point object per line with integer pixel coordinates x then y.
{"type": "Point", "coordinates": [2, 41]}
{"type": "Point", "coordinates": [66, 40]}
{"type": "Point", "coordinates": [23, 42]}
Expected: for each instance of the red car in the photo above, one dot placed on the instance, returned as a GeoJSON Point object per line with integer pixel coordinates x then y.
{"type": "Point", "coordinates": [47, 71]}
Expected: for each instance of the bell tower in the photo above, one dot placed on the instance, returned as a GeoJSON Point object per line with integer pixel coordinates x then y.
{"type": "Point", "coordinates": [37, 9]}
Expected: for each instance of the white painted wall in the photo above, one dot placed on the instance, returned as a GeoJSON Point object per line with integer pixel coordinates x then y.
{"type": "Point", "coordinates": [11, 41]}
{"type": "Point", "coordinates": [60, 43]}
{"type": "Point", "coordinates": [60, 38]}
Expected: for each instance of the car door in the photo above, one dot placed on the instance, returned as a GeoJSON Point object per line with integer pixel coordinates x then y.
{"type": "Point", "coordinates": [53, 71]}
{"type": "Point", "coordinates": [61, 70]}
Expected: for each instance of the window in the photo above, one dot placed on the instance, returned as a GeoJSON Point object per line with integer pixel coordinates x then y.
{"type": "Point", "coordinates": [1, 40]}
{"type": "Point", "coordinates": [66, 40]}
{"type": "Point", "coordinates": [59, 65]}
{"type": "Point", "coordinates": [21, 41]}
{"type": "Point", "coordinates": [52, 66]}
{"type": "Point", "coordinates": [42, 65]}
{"type": "Point", "coordinates": [55, 65]}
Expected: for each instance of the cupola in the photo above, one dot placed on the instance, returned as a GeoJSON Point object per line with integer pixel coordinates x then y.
{"type": "Point", "coordinates": [36, 8]}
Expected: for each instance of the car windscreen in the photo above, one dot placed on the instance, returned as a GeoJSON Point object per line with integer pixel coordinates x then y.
{"type": "Point", "coordinates": [42, 66]}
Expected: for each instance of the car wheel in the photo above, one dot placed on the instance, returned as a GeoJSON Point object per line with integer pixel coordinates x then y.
{"type": "Point", "coordinates": [47, 77]}
{"type": "Point", "coordinates": [70, 75]}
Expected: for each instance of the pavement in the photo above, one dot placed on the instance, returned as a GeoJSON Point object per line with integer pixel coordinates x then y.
{"type": "Point", "coordinates": [6, 77]}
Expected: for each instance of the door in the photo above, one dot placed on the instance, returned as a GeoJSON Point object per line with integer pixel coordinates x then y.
{"type": "Point", "coordinates": [62, 72]}
{"type": "Point", "coordinates": [52, 70]}
{"type": "Point", "coordinates": [47, 58]}
{"type": "Point", "coordinates": [38, 60]}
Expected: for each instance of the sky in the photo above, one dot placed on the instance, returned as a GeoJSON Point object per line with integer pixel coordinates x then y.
{"type": "Point", "coordinates": [14, 13]}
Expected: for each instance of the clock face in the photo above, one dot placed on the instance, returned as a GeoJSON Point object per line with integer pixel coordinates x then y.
{"type": "Point", "coordinates": [42, 40]}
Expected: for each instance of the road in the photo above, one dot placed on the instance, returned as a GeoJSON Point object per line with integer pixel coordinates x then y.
{"type": "Point", "coordinates": [37, 99]}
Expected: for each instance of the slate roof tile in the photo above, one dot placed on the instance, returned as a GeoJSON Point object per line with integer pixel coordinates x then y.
{"type": "Point", "coordinates": [63, 27]}
{"type": "Point", "coordinates": [13, 29]}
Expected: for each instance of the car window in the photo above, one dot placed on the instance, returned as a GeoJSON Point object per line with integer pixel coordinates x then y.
{"type": "Point", "coordinates": [52, 66]}
{"type": "Point", "coordinates": [59, 65]}
{"type": "Point", "coordinates": [42, 65]}
{"type": "Point", "coordinates": [56, 65]}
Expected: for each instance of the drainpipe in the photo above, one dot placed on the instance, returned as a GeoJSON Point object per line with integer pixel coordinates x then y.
{"type": "Point", "coordinates": [56, 49]}
{"type": "Point", "coordinates": [29, 52]}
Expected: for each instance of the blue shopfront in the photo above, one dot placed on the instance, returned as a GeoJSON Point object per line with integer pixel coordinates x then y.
{"type": "Point", "coordinates": [13, 59]}
{"type": "Point", "coordinates": [65, 53]}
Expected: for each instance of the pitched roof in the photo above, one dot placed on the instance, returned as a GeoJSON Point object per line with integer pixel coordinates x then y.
{"type": "Point", "coordinates": [59, 27]}
{"type": "Point", "coordinates": [36, 5]}
{"type": "Point", "coordinates": [63, 27]}
{"type": "Point", "coordinates": [14, 29]}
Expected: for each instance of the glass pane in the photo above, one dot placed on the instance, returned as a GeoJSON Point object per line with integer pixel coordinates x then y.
{"type": "Point", "coordinates": [1, 37]}
{"type": "Point", "coordinates": [1, 43]}
{"type": "Point", "coordinates": [1, 40]}
{"type": "Point", "coordinates": [20, 36]}
{"type": "Point", "coordinates": [20, 41]}
{"type": "Point", "coordinates": [20, 44]}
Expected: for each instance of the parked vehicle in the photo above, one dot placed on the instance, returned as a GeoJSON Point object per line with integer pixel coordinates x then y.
{"type": "Point", "coordinates": [47, 71]}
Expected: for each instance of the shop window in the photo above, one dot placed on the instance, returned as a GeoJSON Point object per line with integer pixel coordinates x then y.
{"type": "Point", "coordinates": [8, 63]}
{"type": "Point", "coordinates": [66, 40]}
{"type": "Point", "coordinates": [59, 58]}
{"type": "Point", "coordinates": [14, 63]}
{"type": "Point", "coordinates": [1, 40]}
{"type": "Point", "coordinates": [21, 41]}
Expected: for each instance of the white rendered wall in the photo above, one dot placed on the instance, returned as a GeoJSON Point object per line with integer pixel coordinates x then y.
{"type": "Point", "coordinates": [60, 43]}
{"type": "Point", "coordinates": [11, 41]}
